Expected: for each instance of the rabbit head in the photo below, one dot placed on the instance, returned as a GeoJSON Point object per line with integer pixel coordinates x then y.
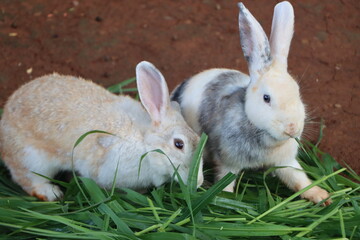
{"type": "Point", "coordinates": [273, 102]}
{"type": "Point", "coordinates": [169, 131]}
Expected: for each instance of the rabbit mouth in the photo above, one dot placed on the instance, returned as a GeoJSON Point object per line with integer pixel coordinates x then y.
{"type": "Point", "coordinates": [296, 134]}
{"type": "Point", "coordinates": [290, 135]}
{"type": "Point", "coordinates": [286, 130]}
{"type": "Point", "coordinates": [280, 137]}
{"type": "Point", "coordinates": [292, 131]}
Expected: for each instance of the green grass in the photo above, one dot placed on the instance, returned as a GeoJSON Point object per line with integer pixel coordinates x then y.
{"type": "Point", "coordinates": [261, 208]}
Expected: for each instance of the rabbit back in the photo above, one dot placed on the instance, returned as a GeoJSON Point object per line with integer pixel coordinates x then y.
{"type": "Point", "coordinates": [43, 119]}
{"type": "Point", "coordinates": [191, 93]}
{"type": "Point", "coordinates": [62, 108]}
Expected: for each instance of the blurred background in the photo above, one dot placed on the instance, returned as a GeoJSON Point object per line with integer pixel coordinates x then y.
{"type": "Point", "coordinates": [104, 40]}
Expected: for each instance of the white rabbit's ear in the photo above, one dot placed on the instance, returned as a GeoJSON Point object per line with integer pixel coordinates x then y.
{"type": "Point", "coordinates": [254, 43]}
{"type": "Point", "coordinates": [153, 91]}
{"type": "Point", "coordinates": [282, 31]}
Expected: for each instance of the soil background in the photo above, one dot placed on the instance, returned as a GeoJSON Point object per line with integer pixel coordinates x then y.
{"type": "Point", "coordinates": [104, 40]}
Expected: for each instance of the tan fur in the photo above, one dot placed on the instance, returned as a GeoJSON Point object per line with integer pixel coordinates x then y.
{"type": "Point", "coordinates": [50, 127]}
{"type": "Point", "coordinates": [44, 118]}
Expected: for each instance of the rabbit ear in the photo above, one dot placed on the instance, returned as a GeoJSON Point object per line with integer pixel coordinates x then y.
{"type": "Point", "coordinates": [153, 91]}
{"type": "Point", "coordinates": [281, 32]}
{"type": "Point", "coordinates": [254, 43]}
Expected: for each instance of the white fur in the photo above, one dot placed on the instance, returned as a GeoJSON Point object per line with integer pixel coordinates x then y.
{"type": "Point", "coordinates": [37, 163]}
{"type": "Point", "coordinates": [282, 30]}
{"type": "Point", "coordinates": [286, 107]}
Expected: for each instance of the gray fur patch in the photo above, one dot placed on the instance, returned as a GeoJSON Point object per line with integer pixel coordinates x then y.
{"type": "Point", "coordinates": [232, 137]}
{"type": "Point", "coordinates": [250, 46]}
{"type": "Point", "coordinates": [266, 55]}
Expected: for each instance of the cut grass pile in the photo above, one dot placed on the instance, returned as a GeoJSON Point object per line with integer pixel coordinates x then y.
{"type": "Point", "coordinates": [260, 208]}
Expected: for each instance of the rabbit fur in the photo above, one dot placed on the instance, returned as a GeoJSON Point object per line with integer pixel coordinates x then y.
{"type": "Point", "coordinates": [43, 119]}
{"type": "Point", "coordinates": [252, 121]}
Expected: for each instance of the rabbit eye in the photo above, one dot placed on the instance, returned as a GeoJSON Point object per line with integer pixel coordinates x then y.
{"type": "Point", "coordinates": [266, 98]}
{"type": "Point", "coordinates": [179, 143]}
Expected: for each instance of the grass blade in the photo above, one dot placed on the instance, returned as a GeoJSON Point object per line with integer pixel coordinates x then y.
{"type": "Point", "coordinates": [195, 164]}
{"type": "Point", "coordinates": [296, 195]}
{"type": "Point", "coordinates": [208, 196]}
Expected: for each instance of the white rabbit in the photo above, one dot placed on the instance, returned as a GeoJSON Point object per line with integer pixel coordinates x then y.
{"type": "Point", "coordinates": [43, 119]}
{"type": "Point", "coordinates": [252, 121]}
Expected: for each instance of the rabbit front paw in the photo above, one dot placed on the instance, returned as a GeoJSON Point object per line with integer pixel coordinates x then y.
{"type": "Point", "coordinates": [47, 192]}
{"type": "Point", "coordinates": [316, 195]}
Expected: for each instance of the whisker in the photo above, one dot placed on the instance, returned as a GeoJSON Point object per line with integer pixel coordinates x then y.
{"type": "Point", "coordinates": [311, 130]}
{"type": "Point", "coordinates": [311, 112]}
{"type": "Point", "coordinates": [302, 76]}
{"type": "Point", "coordinates": [313, 122]}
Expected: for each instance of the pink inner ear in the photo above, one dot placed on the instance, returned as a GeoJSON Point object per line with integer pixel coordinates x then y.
{"type": "Point", "coordinates": [156, 92]}
{"type": "Point", "coordinates": [151, 91]}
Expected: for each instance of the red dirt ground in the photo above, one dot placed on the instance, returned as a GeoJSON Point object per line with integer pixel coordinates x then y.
{"type": "Point", "coordinates": [104, 40]}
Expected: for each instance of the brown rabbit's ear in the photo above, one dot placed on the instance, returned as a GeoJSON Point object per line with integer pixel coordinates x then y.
{"type": "Point", "coordinates": [254, 43]}
{"type": "Point", "coordinates": [282, 32]}
{"type": "Point", "coordinates": [153, 91]}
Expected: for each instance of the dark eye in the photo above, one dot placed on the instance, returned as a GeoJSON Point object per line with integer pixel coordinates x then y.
{"type": "Point", "coordinates": [266, 98]}
{"type": "Point", "coordinates": [179, 143]}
